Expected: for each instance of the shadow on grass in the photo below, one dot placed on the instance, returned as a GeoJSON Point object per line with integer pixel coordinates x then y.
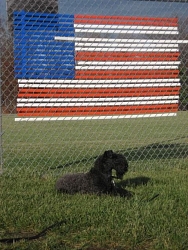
{"type": "Point", "coordinates": [157, 151]}
{"type": "Point", "coordinates": [152, 151]}
{"type": "Point", "coordinates": [134, 182]}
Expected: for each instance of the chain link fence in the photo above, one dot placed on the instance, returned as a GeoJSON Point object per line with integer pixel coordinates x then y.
{"type": "Point", "coordinates": [52, 116]}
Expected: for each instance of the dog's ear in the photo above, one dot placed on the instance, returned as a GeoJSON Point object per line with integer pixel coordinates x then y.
{"type": "Point", "coordinates": [108, 154]}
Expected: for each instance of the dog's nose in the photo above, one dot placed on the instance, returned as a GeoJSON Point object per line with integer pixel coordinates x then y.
{"type": "Point", "coordinates": [120, 176]}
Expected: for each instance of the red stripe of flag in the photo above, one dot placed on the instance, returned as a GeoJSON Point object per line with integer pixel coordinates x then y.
{"type": "Point", "coordinates": [86, 111]}
{"type": "Point", "coordinates": [126, 56]}
{"type": "Point", "coordinates": [125, 74]}
{"type": "Point", "coordinates": [97, 92]}
{"type": "Point", "coordinates": [126, 20]}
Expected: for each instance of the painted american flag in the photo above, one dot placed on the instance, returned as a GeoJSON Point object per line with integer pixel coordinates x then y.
{"type": "Point", "coordinates": [102, 76]}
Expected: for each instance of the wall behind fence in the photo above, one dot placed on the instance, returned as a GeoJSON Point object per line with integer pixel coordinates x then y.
{"type": "Point", "coordinates": [70, 70]}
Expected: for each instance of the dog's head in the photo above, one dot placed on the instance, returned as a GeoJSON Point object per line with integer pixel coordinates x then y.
{"type": "Point", "coordinates": [110, 160]}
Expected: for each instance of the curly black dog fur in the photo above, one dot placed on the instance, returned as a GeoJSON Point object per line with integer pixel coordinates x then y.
{"type": "Point", "coordinates": [99, 179]}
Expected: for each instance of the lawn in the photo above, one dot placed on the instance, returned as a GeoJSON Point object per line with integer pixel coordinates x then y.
{"type": "Point", "coordinates": [39, 146]}
{"type": "Point", "coordinates": [157, 151]}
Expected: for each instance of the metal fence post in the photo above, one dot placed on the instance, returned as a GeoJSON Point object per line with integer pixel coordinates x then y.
{"type": "Point", "coordinates": [1, 158]}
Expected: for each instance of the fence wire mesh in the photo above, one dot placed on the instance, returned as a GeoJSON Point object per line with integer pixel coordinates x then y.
{"type": "Point", "coordinates": [81, 77]}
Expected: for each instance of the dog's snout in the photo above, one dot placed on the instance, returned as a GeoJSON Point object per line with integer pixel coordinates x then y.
{"type": "Point", "coordinates": [120, 176]}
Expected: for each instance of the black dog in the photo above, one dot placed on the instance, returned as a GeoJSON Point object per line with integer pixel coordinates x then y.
{"type": "Point", "coordinates": [99, 179]}
{"type": "Point", "coordinates": [110, 160]}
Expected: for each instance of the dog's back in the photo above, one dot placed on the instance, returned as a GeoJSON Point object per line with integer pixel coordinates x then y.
{"type": "Point", "coordinates": [92, 182]}
{"type": "Point", "coordinates": [70, 183]}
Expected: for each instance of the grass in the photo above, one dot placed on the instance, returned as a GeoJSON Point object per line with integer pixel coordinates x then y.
{"type": "Point", "coordinates": [29, 204]}
{"type": "Point", "coordinates": [157, 151]}
{"type": "Point", "coordinates": [43, 145]}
